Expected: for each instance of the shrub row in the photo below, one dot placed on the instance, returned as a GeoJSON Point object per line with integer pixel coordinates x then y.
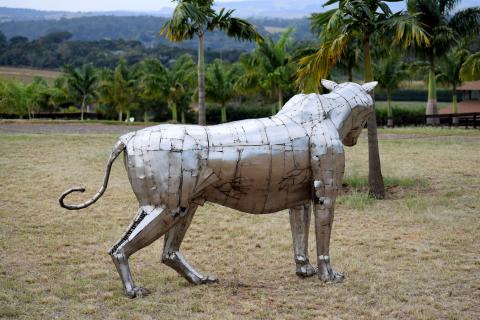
{"type": "Point", "coordinates": [241, 113]}
{"type": "Point", "coordinates": [443, 95]}
{"type": "Point", "coordinates": [237, 113]}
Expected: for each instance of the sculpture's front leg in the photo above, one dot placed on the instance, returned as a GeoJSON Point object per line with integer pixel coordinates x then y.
{"type": "Point", "coordinates": [324, 212]}
{"type": "Point", "coordinates": [328, 163]}
{"type": "Point", "coordinates": [300, 223]}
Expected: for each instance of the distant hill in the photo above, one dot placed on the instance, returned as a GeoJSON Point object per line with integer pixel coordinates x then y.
{"type": "Point", "coordinates": [285, 9]}
{"type": "Point", "coordinates": [145, 29]}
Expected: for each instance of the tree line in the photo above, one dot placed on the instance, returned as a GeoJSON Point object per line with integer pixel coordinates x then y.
{"type": "Point", "coordinates": [56, 49]}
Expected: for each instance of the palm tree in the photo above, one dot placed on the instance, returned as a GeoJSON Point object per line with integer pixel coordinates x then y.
{"type": "Point", "coordinates": [36, 94]}
{"type": "Point", "coordinates": [151, 81]}
{"type": "Point", "coordinates": [444, 28]}
{"type": "Point", "coordinates": [220, 84]}
{"type": "Point", "coordinates": [361, 21]}
{"type": "Point", "coordinates": [182, 80]}
{"type": "Point", "coordinates": [82, 84]}
{"type": "Point", "coordinates": [270, 67]}
{"type": "Point", "coordinates": [450, 67]}
{"type": "Point", "coordinates": [194, 18]}
{"type": "Point", "coordinates": [389, 72]}
{"type": "Point", "coordinates": [171, 85]}
{"type": "Point", "coordinates": [351, 57]}
{"type": "Point", "coordinates": [118, 88]}
{"type": "Point", "coordinates": [14, 98]}
{"type": "Point", "coordinates": [58, 93]}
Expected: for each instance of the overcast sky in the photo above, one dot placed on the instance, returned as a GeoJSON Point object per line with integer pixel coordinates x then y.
{"type": "Point", "coordinates": [90, 5]}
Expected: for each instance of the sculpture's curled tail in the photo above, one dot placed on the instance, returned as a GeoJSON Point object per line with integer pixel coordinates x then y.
{"type": "Point", "coordinates": [119, 147]}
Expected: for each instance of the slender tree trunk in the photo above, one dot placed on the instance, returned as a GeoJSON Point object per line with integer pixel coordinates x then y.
{"type": "Point", "coordinates": [128, 114]}
{"type": "Point", "coordinates": [432, 94]}
{"type": "Point", "coordinates": [389, 110]}
{"type": "Point", "coordinates": [184, 120]}
{"type": "Point", "coordinates": [224, 113]}
{"type": "Point", "coordinates": [120, 115]}
{"type": "Point", "coordinates": [280, 100]}
{"type": "Point", "coordinates": [82, 108]}
{"type": "Point", "coordinates": [145, 116]}
{"type": "Point", "coordinates": [350, 74]}
{"type": "Point", "coordinates": [173, 107]}
{"type": "Point", "coordinates": [202, 119]}
{"type": "Point", "coordinates": [375, 179]}
{"type": "Point", "coordinates": [455, 104]}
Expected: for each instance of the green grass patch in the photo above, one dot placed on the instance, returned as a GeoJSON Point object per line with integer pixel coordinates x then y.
{"type": "Point", "coordinates": [109, 122]}
{"type": "Point", "coordinates": [360, 183]}
{"type": "Point", "coordinates": [430, 131]}
{"type": "Point", "coordinates": [409, 105]}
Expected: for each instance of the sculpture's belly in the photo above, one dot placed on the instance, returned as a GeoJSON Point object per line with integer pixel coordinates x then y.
{"type": "Point", "coordinates": [261, 179]}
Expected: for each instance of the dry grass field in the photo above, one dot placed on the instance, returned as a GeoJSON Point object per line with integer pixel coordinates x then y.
{"type": "Point", "coordinates": [412, 256]}
{"type": "Point", "coordinates": [26, 75]}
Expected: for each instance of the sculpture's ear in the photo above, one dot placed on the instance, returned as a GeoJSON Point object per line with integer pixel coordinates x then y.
{"type": "Point", "coordinates": [329, 84]}
{"type": "Point", "coordinates": [369, 86]}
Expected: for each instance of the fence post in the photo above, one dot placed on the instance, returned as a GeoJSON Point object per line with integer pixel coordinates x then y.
{"type": "Point", "coordinates": [475, 120]}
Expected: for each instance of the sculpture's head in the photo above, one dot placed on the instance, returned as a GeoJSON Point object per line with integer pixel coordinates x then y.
{"type": "Point", "coordinates": [355, 103]}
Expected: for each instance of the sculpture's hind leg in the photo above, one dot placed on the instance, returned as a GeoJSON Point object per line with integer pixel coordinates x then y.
{"type": "Point", "coordinates": [172, 256]}
{"type": "Point", "coordinates": [149, 225]}
{"type": "Point", "coordinates": [300, 223]}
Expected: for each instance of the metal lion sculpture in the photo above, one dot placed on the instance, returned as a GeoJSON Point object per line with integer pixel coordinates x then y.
{"type": "Point", "coordinates": [293, 160]}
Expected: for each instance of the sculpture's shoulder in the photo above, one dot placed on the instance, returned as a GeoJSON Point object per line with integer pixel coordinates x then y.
{"type": "Point", "coordinates": [166, 137]}
{"type": "Point", "coordinates": [326, 137]}
{"type": "Point", "coordinates": [305, 108]}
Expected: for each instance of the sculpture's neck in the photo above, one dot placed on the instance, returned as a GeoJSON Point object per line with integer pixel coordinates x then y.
{"type": "Point", "coordinates": [316, 108]}
{"type": "Point", "coordinates": [339, 114]}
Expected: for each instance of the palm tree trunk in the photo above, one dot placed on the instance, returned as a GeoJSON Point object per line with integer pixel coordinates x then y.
{"type": "Point", "coordinates": [173, 107]}
{"type": "Point", "coordinates": [82, 108]}
{"type": "Point", "coordinates": [280, 100]}
{"type": "Point", "coordinates": [224, 113]}
{"type": "Point", "coordinates": [389, 110]}
{"type": "Point", "coordinates": [432, 95]}
{"type": "Point", "coordinates": [375, 179]}
{"type": "Point", "coordinates": [184, 120]}
{"type": "Point", "coordinates": [350, 74]}
{"type": "Point", "coordinates": [120, 115]}
{"type": "Point", "coordinates": [145, 116]}
{"type": "Point", "coordinates": [455, 104]}
{"type": "Point", "coordinates": [202, 120]}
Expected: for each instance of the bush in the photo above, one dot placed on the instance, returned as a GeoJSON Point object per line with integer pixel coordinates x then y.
{"type": "Point", "coordinates": [235, 113]}
{"type": "Point", "coordinates": [443, 95]}
{"type": "Point", "coordinates": [402, 115]}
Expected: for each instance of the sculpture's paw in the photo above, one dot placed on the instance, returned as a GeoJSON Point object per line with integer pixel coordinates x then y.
{"type": "Point", "coordinates": [331, 276]}
{"type": "Point", "coordinates": [306, 270]}
{"type": "Point", "coordinates": [208, 279]}
{"type": "Point", "coordinates": [138, 292]}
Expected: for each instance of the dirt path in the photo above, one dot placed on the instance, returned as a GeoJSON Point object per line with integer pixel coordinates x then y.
{"type": "Point", "coordinates": [98, 128]}
{"type": "Point", "coordinates": [93, 128]}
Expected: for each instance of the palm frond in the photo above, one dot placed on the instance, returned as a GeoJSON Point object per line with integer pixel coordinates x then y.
{"type": "Point", "coordinates": [470, 69]}
{"type": "Point", "coordinates": [407, 30]}
{"type": "Point", "coordinates": [466, 22]}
